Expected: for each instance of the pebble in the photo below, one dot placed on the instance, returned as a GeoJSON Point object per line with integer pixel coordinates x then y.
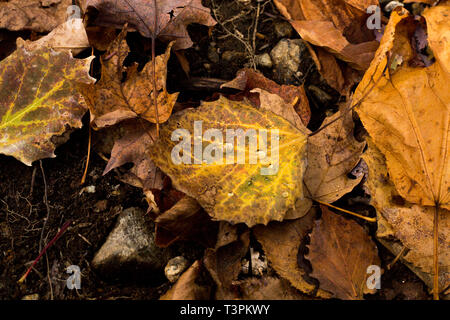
{"type": "Point", "coordinates": [286, 57]}
{"type": "Point", "coordinates": [175, 267]}
{"type": "Point", "coordinates": [264, 60]}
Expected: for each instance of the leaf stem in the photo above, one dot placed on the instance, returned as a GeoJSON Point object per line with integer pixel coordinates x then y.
{"type": "Point", "coordinates": [369, 219]}
{"type": "Point", "coordinates": [436, 254]}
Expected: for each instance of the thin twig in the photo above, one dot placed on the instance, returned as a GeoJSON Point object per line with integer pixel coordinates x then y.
{"type": "Point", "coordinates": [46, 205]}
{"type": "Point", "coordinates": [369, 219]}
{"type": "Point", "coordinates": [83, 179]}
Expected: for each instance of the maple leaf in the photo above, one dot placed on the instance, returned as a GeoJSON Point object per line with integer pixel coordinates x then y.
{"type": "Point", "coordinates": [412, 224]}
{"type": "Point", "coordinates": [340, 252]}
{"type": "Point", "coordinates": [407, 113]}
{"type": "Point", "coordinates": [34, 15]}
{"type": "Point", "coordinates": [236, 192]}
{"type": "Point", "coordinates": [38, 99]}
{"type": "Point", "coordinates": [165, 19]}
{"type": "Point", "coordinates": [281, 242]}
{"type": "Point", "coordinates": [112, 100]}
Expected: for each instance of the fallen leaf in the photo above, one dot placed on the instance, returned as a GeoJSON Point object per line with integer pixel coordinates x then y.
{"type": "Point", "coordinates": [168, 21]}
{"type": "Point", "coordinates": [332, 154]}
{"type": "Point", "coordinates": [112, 100]}
{"type": "Point", "coordinates": [33, 15]}
{"type": "Point", "coordinates": [186, 221]}
{"type": "Point", "coordinates": [407, 113]}
{"type": "Point", "coordinates": [340, 253]}
{"type": "Point", "coordinates": [412, 224]}
{"type": "Point", "coordinates": [224, 264]}
{"type": "Point", "coordinates": [38, 99]}
{"type": "Point", "coordinates": [268, 288]}
{"type": "Point", "coordinates": [248, 79]}
{"type": "Point", "coordinates": [231, 191]}
{"type": "Point", "coordinates": [188, 286]}
{"type": "Point", "coordinates": [281, 242]}
{"type": "Point", "coordinates": [137, 137]}
{"type": "Point", "coordinates": [70, 35]}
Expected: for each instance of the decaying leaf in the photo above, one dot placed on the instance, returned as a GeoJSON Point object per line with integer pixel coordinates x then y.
{"type": "Point", "coordinates": [168, 21]}
{"type": "Point", "coordinates": [281, 242]}
{"type": "Point", "coordinates": [407, 112]}
{"type": "Point", "coordinates": [332, 154]}
{"type": "Point", "coordinates": [246, 192]}
{"type": "Point", "coordinates": [248, 79]}
{"type": "Point", "coordinates": [112, 100]}
{"type": "Point", "coordinates": [34, 15]}
{"type": "Point", "coordinates": [187, 286]}
{"type": "Point", "coordinates": [71, 35]}
{"type": "Point", "coordinates": [410, 223]}
{"type": "Point", "coordinates": [137, 138]}
{"type": "Point", "coordinates": [38, 99]}
{"type": "Point", "coordinates": [224, 264]}
{"type": "Point", "coordinates": [340, 253]}
{"type": "Point", "coordinates": [186, 220]}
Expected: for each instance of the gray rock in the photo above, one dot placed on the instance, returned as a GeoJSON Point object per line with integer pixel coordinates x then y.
{"type": "Point", "coordinates": [175, 267]}
{"type": "Point", "coordinates": [286, 57]}
{"type": "Point", "coordinates": [283, 29]}
{"type": "Point", "coordinates": [264, 60]}
{"type": "Point", "coordinates": [130, 248]}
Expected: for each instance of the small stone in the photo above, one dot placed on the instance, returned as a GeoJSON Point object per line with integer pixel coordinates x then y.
{"type": "Point", "coordinates": [286, 56]}
{"type": "Point", "coordinates": [130, 247]}
{"type": "Point", "coordinates": [264, 60]}
{"type": "Point", "coordinates": [283, 29]}
{"type": "Point", "coordinates": [175, 267]}
{"type": "Point", "coordinates": [33, 296]}
{"type": "Point", "coordinates": [101, 206]}
{"type": "Point", "coordinates": [232, 55]}
{"type": "Point", "coordinates": [392, 5]}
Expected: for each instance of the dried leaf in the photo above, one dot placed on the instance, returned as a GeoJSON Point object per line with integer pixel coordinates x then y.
{"type": "Point", "coordinates": [248, 79]}
{"type": "Point", "coordinates": [38, 99]}
{"type": "Point", "coordinates": [231, 191]}
{"type": "Point", "coordinates": [112, 100]}
{"type": "Point", "coordinates": [137, 137]}
{"type": "Point", "coordinates": [332, 154]}
{"type": "Point", "coordinates": [187, 286]}
{"type": "Point", "coordinates": [340, 252]}
{"type": "Point", "coordinates": [407, 112]}
{"type": "Point", "coordinates": [268, 288]}
{"type": "Point", "coordinates": [281, 242]}
{"type": "Point", "coordinates": [33, 15]}
{"type": "Point", "coordinates": [186, 220]}
{"type": "Point", "coordinates": [410, 223]}
{"type": "Point", "coordinates": [168, 20]}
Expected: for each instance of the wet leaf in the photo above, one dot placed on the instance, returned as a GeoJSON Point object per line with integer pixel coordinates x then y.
{"type": "Point", "coordinates": [38, 99]}
{"type": "Point", "coordinates": [168, 20]}
{"type": "Point", "coordinates": [340, 253]}
{"type": "Point", "coordinates": [112, 100]}
{"type": "Point", "coordinates": [249, 193]}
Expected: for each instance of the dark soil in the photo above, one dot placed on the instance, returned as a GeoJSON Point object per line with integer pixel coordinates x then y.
{"type": "Point", "coordinates": [22, 206]}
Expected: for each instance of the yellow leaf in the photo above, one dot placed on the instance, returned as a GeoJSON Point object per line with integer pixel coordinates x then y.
{"type": "Point", "coordinates": [38, 99]}
{"type": "Point", "coordinates": [236, 192]}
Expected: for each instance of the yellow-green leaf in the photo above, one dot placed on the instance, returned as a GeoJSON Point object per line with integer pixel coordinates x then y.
{"type": "Point", "coordinates": [231, 191]}
{"type": "Point", "coordinates": [38, 100]}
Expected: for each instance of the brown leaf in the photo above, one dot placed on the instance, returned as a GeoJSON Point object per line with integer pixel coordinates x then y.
{"type": "Point", "coordinates": [281, 242]}
{"type": "Point", "coordinates": [168, 20]}
{"type": "Point", "coordinates": [332, 154]}
{"type": "Point", "coordinates": [340, 252]}
{"type": "Point", "coordinates": [186, 220]}
{"type": "Point", "coordinates": [112, 100]}
{"type": "Point", "coordinates": [34, 15]}
{"type": "Point", "coordinates": [248, 79]}
{"type": "Point", "coordinates": [268, 288]}
{"type": "Point", "coordinates": [137, 136]}
{"type": "Point", "coordinates": [188, 287]}
{"type": "Point", "coordinates": [410, 223]}
{"type": "Point", "coordinates": [224, 264]}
